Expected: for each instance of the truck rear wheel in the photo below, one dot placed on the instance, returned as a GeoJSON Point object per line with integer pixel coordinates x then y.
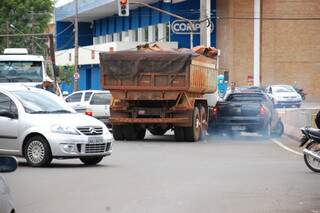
{"type": "Point", "coordinates": [179, 133]}
{"type": "Point", "coordinates": [193, 133]}
{"type": "Point", "coordinates": [130, 133]}
{"type": "Point", "coordinates": [204, 121]}
{"type": "Point", "coordinates": [118, 133]}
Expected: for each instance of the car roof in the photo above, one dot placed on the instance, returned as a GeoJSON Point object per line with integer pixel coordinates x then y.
{"type": "Point", "coordinates": [93, 91]}
{"type": "Point", "coordinates": [281, 85]}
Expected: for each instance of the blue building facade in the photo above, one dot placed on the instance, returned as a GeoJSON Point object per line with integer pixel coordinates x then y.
{"type": "Point", "coordinates": [99, 30]}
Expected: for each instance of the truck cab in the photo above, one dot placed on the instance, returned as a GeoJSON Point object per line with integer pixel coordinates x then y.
{"type": "Point", "coordinates": [19, 67]}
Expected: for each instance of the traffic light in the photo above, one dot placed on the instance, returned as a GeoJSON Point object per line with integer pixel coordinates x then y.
{"type": "Point", "coordinates": [123, 7]}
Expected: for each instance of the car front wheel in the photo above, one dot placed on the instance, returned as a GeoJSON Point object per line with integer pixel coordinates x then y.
{"type": "Point", "coordinates": [37, 152]}
{"type": "Point", "coordinates": [91, 160]}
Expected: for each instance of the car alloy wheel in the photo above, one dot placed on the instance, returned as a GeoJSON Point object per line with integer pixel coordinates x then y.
{"type": "Point", "coordinates": [36, 152]}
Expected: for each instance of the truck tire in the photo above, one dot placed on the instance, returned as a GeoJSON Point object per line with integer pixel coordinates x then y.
{"type": "Point", "coordinates": [157, 130]}
{"type": "Point", "coordinates": [204, 122]}
{"type": "Point", "coordinates": [193, 133]}
{"type": "Point", "coordinates": [179, 133]}
{"type": "Point", "coordinates": [117, 131]}
{"type": "Point", "coordinates": [130, 133]}
{"type": "Point", "coordinates": [141, 133]}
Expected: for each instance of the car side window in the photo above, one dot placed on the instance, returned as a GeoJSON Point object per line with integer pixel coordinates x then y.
{"type": "Point", "coordinates": [87, 96]}
{"type": "Point", "coordinates": [7, 104]}
{"type": "Point", "coordinates": [74, 98]}
{"type": "Point", "coordinates": [101, 99]}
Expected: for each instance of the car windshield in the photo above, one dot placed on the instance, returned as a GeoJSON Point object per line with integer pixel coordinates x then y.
{"type": "Point", "coordinates": [42, 102]}
{"type": "Point", "coordinates": [21, 71]}
{"type": "Point", "coordinates": [283, 89]}
{"type": "Point", "coordinates": [246, 97]}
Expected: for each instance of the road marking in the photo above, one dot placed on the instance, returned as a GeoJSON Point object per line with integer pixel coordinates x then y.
{"type": "Point", "coordinates": [285, 147]}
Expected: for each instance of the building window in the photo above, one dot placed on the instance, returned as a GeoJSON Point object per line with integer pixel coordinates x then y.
{"type": "Point", "coordinates": [95, 40]}
{"type": "Point", "coordinates": [108, 38]}
{"type": "Point", "coordinates": [116, 37]}
{"type": "Point", "coordinates": [125, 36]}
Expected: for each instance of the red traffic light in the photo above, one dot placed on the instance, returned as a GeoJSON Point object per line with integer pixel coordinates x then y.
{"type": "Point", "coordinates": [122, 2]}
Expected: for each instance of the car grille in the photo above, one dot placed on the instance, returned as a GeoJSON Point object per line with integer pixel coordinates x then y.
{"type": "Point", "coordinates": [94, 148]}
{"type": "Point", "coordinates": [91, 130]}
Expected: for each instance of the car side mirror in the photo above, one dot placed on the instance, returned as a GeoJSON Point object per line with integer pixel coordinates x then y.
{"type": "Point", "coordinates": [56, 71]}
{"type": "Point", "coordinates": [8, 164]}
{"type": "Point", "coordinates": [5, 113]}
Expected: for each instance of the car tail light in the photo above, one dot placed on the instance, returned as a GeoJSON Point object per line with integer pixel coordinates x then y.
{"type": "Point", "coordinates": [89, 113]}
{"type": "Point", "coordinates": [215, 110]}
{"type": "Point", "coordinates": [262, 110]}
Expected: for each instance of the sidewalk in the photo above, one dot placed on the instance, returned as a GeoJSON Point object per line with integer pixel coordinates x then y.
{"type": "Point", "coordinates": [296, 118]}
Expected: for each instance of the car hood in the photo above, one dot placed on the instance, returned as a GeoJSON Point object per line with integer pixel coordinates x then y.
{"type": "Point", "coordinates": [73, 120]}
{"type": "Point", "coordinates": [287, 94]}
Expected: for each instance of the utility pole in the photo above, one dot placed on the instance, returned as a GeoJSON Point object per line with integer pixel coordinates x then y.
{"type": "Point", "coordinates": [7, 32]}
{"type": "Point", "coordinates": [205, 31]}
{"type": "Point", "coordinates": [32, 31]}
{"type": "Point", "coordinates": [76, 49]}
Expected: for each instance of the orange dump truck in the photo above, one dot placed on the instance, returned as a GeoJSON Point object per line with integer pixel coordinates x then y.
{"type": "Point", "coordinates": [158, 91]}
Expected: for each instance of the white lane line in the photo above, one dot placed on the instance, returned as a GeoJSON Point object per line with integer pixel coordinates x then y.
{"type": "Point", "coordinates": [285, 147]}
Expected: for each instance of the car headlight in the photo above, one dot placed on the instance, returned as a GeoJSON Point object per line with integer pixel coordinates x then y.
{"type": "Point", "coordinates": [64, 130]}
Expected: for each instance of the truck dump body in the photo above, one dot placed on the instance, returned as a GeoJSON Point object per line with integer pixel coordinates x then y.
{"type": "Point", "coordinates": [158, 90]}
{"type": "Point", "coordinates": [161, 75]}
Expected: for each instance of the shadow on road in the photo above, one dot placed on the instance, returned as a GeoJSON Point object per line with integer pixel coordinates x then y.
{"type": "Point", "coordinates": [64, 165]}
{"type": "Point", "coordinates": [169, 138]}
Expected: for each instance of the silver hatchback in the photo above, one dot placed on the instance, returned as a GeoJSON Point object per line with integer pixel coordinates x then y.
{"type": "Point", "coordinates": [40, 126]}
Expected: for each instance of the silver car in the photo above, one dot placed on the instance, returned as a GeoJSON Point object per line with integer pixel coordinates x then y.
{"type": "Point", "coordinates": [40, 126]}
{"type": "Point", "coordinates": [7, 205]}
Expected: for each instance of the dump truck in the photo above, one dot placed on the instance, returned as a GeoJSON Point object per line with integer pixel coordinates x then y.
{"type": "Point", "coordinates": [158, 91]}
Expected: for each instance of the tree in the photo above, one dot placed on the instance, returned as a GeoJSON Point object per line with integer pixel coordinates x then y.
{"type": "Point", "coordinates": [25, 16]}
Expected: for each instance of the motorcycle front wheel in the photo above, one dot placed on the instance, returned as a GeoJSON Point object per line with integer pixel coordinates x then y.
{"type": "Point", "coordinates": [311, 162]}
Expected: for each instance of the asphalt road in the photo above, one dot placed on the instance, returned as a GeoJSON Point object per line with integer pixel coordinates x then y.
{"type": "Point", "coordinates": [247, 174]}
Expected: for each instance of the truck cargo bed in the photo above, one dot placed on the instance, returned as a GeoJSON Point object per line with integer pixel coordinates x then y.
{"type": "Point", "coordinates": [163, 75]}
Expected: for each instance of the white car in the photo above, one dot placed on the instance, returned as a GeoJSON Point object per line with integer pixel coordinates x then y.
{"type": "Point", "coordinates": [284, 95]}
{"type": "Point", "coordinates": [39, 126]}
{"type": "Point", "coordinates": [94, 103]}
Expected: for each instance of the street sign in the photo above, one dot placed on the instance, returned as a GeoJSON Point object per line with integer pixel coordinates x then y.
{"type": "Point", "coordinates": [76, 76]}
{"type": "Point", "coordinates": [182, 27]}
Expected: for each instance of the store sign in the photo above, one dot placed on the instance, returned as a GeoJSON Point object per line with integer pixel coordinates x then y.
{"type": "Point", "coordinates": [183, 27]}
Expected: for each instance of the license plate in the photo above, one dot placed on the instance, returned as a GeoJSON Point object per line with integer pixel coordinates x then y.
{"type": "Point", "coordinates": [238, 128]}
{"type": "Point", "coordinates": [238, 110]}
{"type": "Point", "coordinates": [95, 140]}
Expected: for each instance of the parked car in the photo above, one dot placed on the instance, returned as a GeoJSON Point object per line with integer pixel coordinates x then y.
{"type": "Point", "coordinates": [94, 103]}
{"type": "Point", "coordinates": [39, 126]}
{"type": "Point", "coordinates": [284, 96]}
{"type": "Point", "coordinates": [246, 111]}
{"type": "Point", "coordinates": [7, 164]}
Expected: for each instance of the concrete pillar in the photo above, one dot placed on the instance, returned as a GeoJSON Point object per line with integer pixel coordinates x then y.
{"type": "Point", "coordinates": [205, 31]}
{"type": "Point", "coordinates": [141, 35]}
{"type": "Point", "coordinates": [132, 36]}
{"type": "Point", "coordinates": [162, 32]}
{"type": "Point", "coordinates": [256, 42]}
{"type": "Point", "coordinates": [151, 33]}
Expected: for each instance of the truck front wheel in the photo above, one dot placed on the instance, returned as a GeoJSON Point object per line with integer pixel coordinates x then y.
{"type": "Point", "coordinates": [118, 133]}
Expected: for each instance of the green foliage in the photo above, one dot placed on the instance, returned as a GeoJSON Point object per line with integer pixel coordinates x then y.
{"type": "Point", "coordinates": [28, 16]}
{"type": "Point", "coordinates": [66, 74]}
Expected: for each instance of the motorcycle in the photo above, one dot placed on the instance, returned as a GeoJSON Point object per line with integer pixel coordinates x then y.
{"type": "Point", "coordinates": [311, 137]}
{"type": "Point", "coordinates": [301, 92]}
